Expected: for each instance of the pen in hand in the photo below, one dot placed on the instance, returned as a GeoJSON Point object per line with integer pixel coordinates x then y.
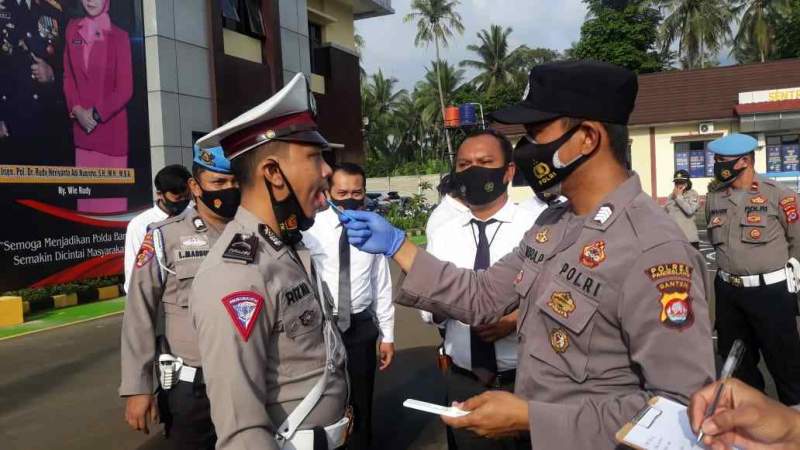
{"type": "Point", "coordinates": [731, 363]}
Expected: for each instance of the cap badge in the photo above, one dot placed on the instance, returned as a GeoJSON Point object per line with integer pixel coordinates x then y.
{"type": "Point", "coordinates": [725, 174]}
{"type": "Point", "coordinates": [270, 134]}
{"type": "Point", "coordinates": [559, 340]}
{"type": "Point", "coordinates": [206, 157]}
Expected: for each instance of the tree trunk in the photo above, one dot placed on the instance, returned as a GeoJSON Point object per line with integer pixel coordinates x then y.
{"type": "Point", "coordinates": [702, 54]}
{"type": "Point", "coordinates": [441, 98]}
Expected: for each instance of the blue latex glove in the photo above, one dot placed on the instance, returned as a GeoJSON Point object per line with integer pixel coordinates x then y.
{"type": "Point", "coordinates": [371, 233]}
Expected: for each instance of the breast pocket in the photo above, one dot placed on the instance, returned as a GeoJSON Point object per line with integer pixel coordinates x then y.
{"type": "Point", "coordinates": [760, 227]}
{"type": "Point", "coordinates": [522, 286]}
{"type": "Point", "coordinates": [301, 316]}
{"type": "Point", "coordinates": [568, 317]}
{"type": "Point", "coordinates": [717, 228]}
{"type": "Point", "coordinates": [185, 272]}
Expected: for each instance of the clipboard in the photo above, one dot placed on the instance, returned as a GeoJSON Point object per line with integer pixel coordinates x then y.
{"type": "Point", "coordinates": [661, 425]}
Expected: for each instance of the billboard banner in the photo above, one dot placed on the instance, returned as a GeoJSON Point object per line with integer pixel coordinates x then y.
{"type": "Point", "coordinates": [74, 148]}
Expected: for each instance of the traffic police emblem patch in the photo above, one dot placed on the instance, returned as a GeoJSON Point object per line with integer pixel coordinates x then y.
{"type": "Point", "coordinates": [543, 236]}
{"type": "Point", "coordinates": [593, 254]}
{"type": "Point", "coordinates": [559, 340]}
{"type": "Point", "coordinates": [146, 251]}
{"type": "Point", "coordinates": [243, 308]}
{"type": "Point", "coordinates": [562, 304]}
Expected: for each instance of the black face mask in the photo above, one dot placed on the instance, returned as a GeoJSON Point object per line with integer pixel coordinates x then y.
{"type": "Point", "coordinates": [349, 203]}
{"type": "Point", "coordinates": [481, 185]}
{"type": "Point", "coordinates": [291, 218]}
{"type": "Point", "coordinates": [536, 162]}
{"type": "Point", "coordinates": [724, 171]}
{"type": "Point", "coordinates": [174, 208]}
{"type": "Point", "coordinates": [223, 202]}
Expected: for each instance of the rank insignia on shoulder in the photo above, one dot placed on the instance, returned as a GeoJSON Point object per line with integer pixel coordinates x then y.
{"type": "Point", "coordinates": [273, 239]}
{"type": "Point", "coordinates": [543, 235]}
{"type": "Point", "coordinates": [604, 213]}
{"type": "Point", "coordinates": [243, 308]}
{"type": "Point", "coordinates": [199, 225]}
{"type": "Point", "coordinates": [559, 340]}
{"type": "Point", "coordinates": [146, 251]}
{"type": "Point", "coordinates": [758, 200]}
{"type": "Point", "coordinates": [242, 249]}
{"type": "Point", "coordinates": [593, 254]}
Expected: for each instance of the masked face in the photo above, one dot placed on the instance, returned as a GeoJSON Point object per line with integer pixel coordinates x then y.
{"type": "Point", "coordinates": [725, 172]}
{"type": "Point", "coordinates": [223, 202]}
{"type": "Point", "coordinates": [481, 185]}
{"type": "Point", "coordinates": [174, 204]}
{"type": "Point", "coordinates": [541, 166]}
{"type": "Point", "coordinates": [289, 213]}
{"type": "Point", "coordinates": [347, 190]}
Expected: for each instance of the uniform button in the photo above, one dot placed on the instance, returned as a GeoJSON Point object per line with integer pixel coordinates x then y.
{"type": "Point", "coordinates": [29, 35]}
{"type": "Point", "coordinates": [4, 98]}
{"type": "Point", "coordinates": [36, 96]}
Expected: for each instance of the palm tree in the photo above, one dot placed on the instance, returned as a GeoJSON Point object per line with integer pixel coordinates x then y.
{"type": "Point", "coordinates": [379, 100]}
{"type": "Point", "coordinates": [699, 26]}
{"type": "Point", "coordinates": [496, 64]}
{"type": "Point", "coordinates": [758, 23]}
{"type": "Point", "coordinates": [436, 21]}
{"type": "Point", "coordinates": [442, 81]}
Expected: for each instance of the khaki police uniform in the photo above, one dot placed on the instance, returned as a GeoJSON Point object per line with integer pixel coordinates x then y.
{"type": "Point", "coordinates": [158, 305]}
{"type": "Point", "coordinates": [682, 209]}
{"type": "Point", "coordinates": [612, 312]}
{"type": "Point", "coordinates": [754, 232]}
{"type": "Point", "coordinates": [266, 341]}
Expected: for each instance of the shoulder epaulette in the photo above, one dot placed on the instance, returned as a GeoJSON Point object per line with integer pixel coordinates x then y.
{"type": "Point", "coordinates": [242, 249]}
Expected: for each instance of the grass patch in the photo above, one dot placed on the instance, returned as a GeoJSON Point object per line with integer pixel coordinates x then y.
{"type": "Point", "coordinates": [58, 317]}
{"type": "Point", "coordinates": [419, 240]}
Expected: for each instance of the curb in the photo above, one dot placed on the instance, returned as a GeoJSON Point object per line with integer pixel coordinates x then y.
{"type": "Point", "coordinates": [28, 333]}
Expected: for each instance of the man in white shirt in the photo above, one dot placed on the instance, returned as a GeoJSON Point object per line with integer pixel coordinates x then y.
{"type": "Point", "coordinates": [172, 192]}
{"type": "Point", "coordinates": [362, 291]}
{"type": "Point", "coordinates": [450, 206]}
{"type": "Point", "coordinates": [484, 357]}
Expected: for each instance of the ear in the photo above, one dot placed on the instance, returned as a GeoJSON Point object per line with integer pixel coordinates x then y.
{"type": "Point", "coordinates": [592, 135]}
{"type": "Point", "coordinates": [194, 188]}
{"type": "Point", "coordinates": [510, 171]}
{"type": "Point", "coordinates": [269, 168]}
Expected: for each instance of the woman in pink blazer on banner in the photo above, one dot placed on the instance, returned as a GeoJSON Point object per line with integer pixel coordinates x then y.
{"type": "Point", "coordinates": [98, 84]}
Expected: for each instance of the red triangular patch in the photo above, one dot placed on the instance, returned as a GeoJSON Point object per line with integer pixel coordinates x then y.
{"type": "Point", "coordinates": [244, 307]}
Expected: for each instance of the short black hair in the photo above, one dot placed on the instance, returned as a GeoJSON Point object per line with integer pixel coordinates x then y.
{"type": "Point", "coordinates": [505, 144]}
{"type": "Point", "coordinates": [618, 137]}
{"type": "Point", "coordinates": [244, 166]}
{"type": "Point", "coordinates": [350, 169]}
{"type": "Point", "coordinates": [173, 178]}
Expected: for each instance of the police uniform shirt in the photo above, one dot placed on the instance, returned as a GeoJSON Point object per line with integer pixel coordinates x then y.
{"type": "Point", "coordinates": [682, 209]}
{"type": "Point", "coordinates": [447, 209]}
{"type": "Point", "coordinates": [260, 330]}
{"type": "Point", "coordinates": [370, 280]}
{"type": "Point", "coordinates": [134, 236]}
{"type": "Point", "coordinates": [753, 230]}
{"type": "Point", "coordinates": [612, 312]}
{"type": "Point", "coordinates": [165, 266]}
{"type": "Point", "coordinates": [456, 242]}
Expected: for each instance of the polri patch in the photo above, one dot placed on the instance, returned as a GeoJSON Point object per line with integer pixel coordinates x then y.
{"type": "Point", "coordinates": [593, 254]}
{"type": "Point", "coordinates": [243, 308]}
{"type": "Point", "coordinates": [789, 206]}
{"type": "Point", "coordinates": [146, 251]}
{"type": "Point", "coordinates": [242, 249]}
{"type": "Point", "coordinates": [675, 270]}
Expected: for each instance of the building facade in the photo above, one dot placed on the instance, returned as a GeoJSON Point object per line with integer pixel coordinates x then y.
{"type": "Point", "coordinates": [210, 60]}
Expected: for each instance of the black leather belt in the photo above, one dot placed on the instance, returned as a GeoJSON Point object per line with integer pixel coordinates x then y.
{"type": "Point", "coordinates": [363, 316]}
{"type": "Point", "coordinates": [504, 378]}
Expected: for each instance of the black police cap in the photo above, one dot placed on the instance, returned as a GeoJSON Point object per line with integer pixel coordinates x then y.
{"type": "Point", "coordinates": [589, 90]}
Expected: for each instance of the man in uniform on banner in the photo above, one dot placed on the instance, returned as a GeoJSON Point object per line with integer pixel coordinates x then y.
{"type": "Point", "coordinates": [752, 224]}
{"type": "Point", "coordinates": [612, 297]}
{"type": "Point", "coordinates": [157, 327]}
{"type": "Point", "coordinates": [34, 125]}
{"type": "Point", "coordinates": [273, 358]}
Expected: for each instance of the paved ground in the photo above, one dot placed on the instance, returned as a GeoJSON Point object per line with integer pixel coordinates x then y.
{"type": "Point", "coordinates": [58, 390]}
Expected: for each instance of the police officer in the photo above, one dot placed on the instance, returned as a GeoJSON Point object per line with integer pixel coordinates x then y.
{"type": "Point", "coordinates": [612, 297]}
{"type": "Point", "coordinates": [157, 327]}
{"type": "Point", "coordinates": [34, 126]}
{"type": "Point", "coordinates": [682, 205]}
{"type": "Point", "coordinates": [272, 359]}
{"type": "Point", "coordinates": [752, 224]}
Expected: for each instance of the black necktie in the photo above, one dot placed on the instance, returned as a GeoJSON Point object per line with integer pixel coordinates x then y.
{"type": "Point", "coordinates": [343, 308]}
{"type": "Point", "coordinates": [484, 361]}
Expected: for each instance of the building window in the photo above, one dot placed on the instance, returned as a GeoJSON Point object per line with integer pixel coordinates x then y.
{"type": "Point", "coordinates": [782, 153]}
{"type": "Point", "coordinates": [695, 158]}
{"type": "Point", "coordinates": [314, 42]}
{"type": "Point", "coordinates": [243, 16]}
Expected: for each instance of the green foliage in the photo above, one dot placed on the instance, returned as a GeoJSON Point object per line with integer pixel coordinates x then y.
{"type": "Point", "coordinates": [622, 33]}
{"type": "Point", "coordinates": [787, 33]}
{"type": "Point", "coordinates": [82, 288]}
{"type": "Point", "coordinates": [700, 27]}
{"type": "Point", "coordinates": [414, 215]}
{"type": "Point", "coordinates": [755, 40]}
{"type": "Point", "coordinates": [436, 20]}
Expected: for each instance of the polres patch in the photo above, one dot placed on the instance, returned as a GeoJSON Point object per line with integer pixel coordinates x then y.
{"type": "Point", "coordinates": [146, 251]}
{"type": "Point", "coordinates": [789, 207]}
{"type": "Point", "coordinates": [243, 307]}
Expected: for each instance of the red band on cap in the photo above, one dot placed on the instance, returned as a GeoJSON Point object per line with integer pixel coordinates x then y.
{"type": "Point", "coordinates": [264, 131]}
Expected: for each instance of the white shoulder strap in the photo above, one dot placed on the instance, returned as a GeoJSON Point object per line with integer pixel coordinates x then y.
{"type": "Point", "coordinates": [158, 243]}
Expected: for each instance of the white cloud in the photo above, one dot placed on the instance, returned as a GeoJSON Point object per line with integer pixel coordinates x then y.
{"type": "Point", "coordinates": [536, 23]}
